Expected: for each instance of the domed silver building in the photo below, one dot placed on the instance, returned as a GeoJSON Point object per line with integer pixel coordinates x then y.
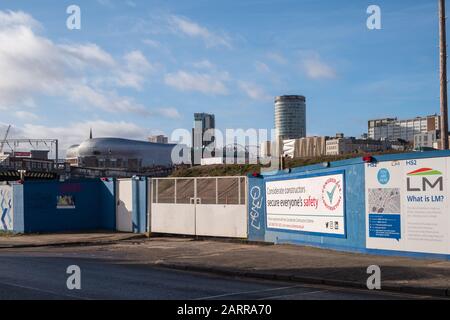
{"type": "Point", "coordinates": [117, 153]}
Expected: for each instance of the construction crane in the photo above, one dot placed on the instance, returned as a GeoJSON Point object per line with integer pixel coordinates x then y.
{"type": "Point", "coordinates": [4, 139]}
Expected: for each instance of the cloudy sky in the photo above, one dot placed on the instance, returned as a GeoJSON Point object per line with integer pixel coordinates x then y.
{"type": "Point", "coordinates": [143, 67]}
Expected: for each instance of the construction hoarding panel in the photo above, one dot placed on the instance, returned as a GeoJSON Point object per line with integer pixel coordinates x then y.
{"type": "Point", "coordinates": [407, 205]}
{"type": "Point", "coordinates": [310, 204]}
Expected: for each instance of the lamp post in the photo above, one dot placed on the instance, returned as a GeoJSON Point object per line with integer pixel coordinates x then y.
{"type": "Point", "coordinates": [443, 75]}
{"type": "Point", "coordinates": [22, 175]}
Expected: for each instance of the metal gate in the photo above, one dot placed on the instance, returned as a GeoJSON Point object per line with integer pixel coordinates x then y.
{"type": "Point", "coordinates": [210, 206]}
{"type": "Point", "coordinates": [124, 205]}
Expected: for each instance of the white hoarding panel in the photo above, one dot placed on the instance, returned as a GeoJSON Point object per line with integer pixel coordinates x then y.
{"type": "Point", "coordinates": [221, 220]}
{"type": "Point", "coordinates": [6, 208]}
{"type": "Point", "coordinates": [173, 218]}
{"type": "Point", "coordinates": [407, 205]}
{"type": "Point", "coordinates": [313, 204]}
{"type": "Point", "coordinates": [124, 210]}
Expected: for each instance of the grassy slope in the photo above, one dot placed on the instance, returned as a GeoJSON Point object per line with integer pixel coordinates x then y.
{"type": "Point", "coordinates": [237, 170]}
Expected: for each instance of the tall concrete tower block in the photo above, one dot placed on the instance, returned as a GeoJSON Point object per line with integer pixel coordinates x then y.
{"type": "Point", "coordinates": [290, 117]}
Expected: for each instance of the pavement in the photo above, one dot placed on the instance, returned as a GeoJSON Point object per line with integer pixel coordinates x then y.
{"type": "Point", "coordinates": [61, 239]}
{"type": "Point", "coordinates": [295, 264]}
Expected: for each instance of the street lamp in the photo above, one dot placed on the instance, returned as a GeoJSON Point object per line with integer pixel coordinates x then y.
{"type": "Point", "coordinates": [443, 75]}
{"type": "Point", "coordinates": [22, 174]}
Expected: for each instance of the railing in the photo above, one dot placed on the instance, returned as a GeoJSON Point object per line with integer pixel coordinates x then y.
{"type": "Point", "coordinates": [204, 190]}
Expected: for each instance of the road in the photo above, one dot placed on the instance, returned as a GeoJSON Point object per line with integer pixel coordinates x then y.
{"type": "Point", "coordinates": [41, 274]}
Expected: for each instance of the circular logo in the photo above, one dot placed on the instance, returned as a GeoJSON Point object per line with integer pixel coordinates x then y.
{"type": "Point", "coordinates": [332, 194]}
{"type": "Point", "coordinates": [384, 176]}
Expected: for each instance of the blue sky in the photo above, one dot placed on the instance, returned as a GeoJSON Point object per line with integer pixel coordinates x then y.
{"type": "Point", "coordinates": [141, 67]}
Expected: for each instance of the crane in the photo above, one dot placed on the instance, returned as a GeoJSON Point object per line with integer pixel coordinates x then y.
{"type": "Point", "coordinates": [5, 138]}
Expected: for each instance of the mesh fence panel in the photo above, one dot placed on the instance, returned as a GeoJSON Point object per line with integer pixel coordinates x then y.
{"type": "Point", "coordinates": [166, 191]}
{"type": "Point", "coordinates": [206, 190]}
{"type": "Point", "coordinates": [228, 190]}
{"type": "Point", "coordinates": [185, 190]}
{"type": "Point", "coordinates": [243, 190]}
{"type": "Point", "coordinates": [221, 190]}
{"type": "Point", "coordinates": [154, 181]}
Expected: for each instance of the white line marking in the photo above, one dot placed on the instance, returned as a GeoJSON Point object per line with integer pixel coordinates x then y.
{"type": "Point", "coordinates": [42, 290]}
{"type": "Point", "coordinates": [293, 294]}
{"type": "Point", "coordinates": [246, 292]}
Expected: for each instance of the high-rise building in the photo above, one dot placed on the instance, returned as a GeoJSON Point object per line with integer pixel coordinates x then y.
{"type": "Point", "coordinates": [341, 145]}
{"type": "Point", "coordinates": [158, 139]}
{"type": "Point", "coordinates": [265, 149]}
{"type": "Point", "coordinates": [203, 135]}
{"type": "Point", "coordinates": [394, 129]}
{"type": "Point", "coordinates": [308, 147]}
{"type": "Point", "coordinates": [290, 117]}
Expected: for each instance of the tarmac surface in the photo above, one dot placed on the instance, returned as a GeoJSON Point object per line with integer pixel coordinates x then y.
{"type": "Point", "coordinates": [296, 265]}
{"type": "Point", "coordinates": [40, 273]}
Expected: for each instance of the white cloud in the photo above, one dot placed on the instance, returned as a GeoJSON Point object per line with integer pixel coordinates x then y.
{"type": "Point", "coordinates": [136, 68]}
{"type": "Point", "coordinates": [171, 113]}
{"type": "Point", "coordinates": [26, 115]}
{"type": "Point", "coordinates": [317, 69]}
{"type": "Point", "coordinates": [136, 61]}
{"type": "Point", "coordinates": [107, 101]}
{"type": "Point", "coordinates": [254, 91]}
{"type": "Point", "coordinates": [204, 64]}
{"type": "Point", "coordinates": [194, 30]}
{"type": "Point", "coordinates": [33, 65]}
{"type": "Point", "coordinates": [106, 3]}
{"type": "Point", "coordinates": [17, 18]}
{"type": "Point", "coordinates": [201, 82]}
{"type": "Point", "coordinates": [87, 55]}
{"type": "Point", "coordinates": [277, 57]}
{"type": "Point", "coordinates": [152, 43]}
{"type": "Point", "coordinates": [262, 67]}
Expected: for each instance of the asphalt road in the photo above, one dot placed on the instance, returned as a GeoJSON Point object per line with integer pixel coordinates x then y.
{"type": "Point", "coordinates": [41, 274]}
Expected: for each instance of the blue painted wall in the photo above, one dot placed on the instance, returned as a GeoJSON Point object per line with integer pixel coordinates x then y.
{"type": "Point", "coordinates": [139, 215]}
{"type": "Point", "coordinates": [256, 209]}
{"type": "Point", "coordinates": [108, 204]}
{"type": "Point", "coordinates": [18, 222]}
{"type": "Point", "coordinates": [355, 213]}
{"type": "Point", "coordinates": [94, 206]}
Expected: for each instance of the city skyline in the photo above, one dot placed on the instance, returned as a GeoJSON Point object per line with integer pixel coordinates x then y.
{"type": "Point", "coordinates": [144, 67]}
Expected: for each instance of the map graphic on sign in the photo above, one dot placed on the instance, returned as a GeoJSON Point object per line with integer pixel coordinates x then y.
{"type": "Point", "coordinates": [384, 200]}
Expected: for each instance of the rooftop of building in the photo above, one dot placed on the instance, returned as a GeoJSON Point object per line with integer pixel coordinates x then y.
{"type": "Point", "coordinates": [408, 119]}
{"type": "Point", "coordinates": [290, 98]}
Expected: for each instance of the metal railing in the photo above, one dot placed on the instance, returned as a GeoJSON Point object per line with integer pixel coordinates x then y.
{"type": "Point", "coordinates": [202, 190]}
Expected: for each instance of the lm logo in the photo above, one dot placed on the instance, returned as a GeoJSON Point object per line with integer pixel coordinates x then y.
{"type": "Point", "coordinates": [431, 179]}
